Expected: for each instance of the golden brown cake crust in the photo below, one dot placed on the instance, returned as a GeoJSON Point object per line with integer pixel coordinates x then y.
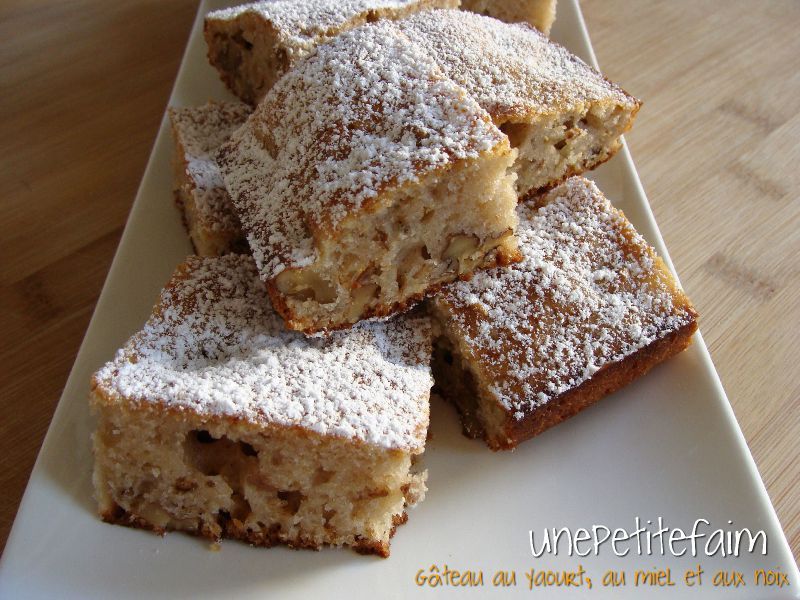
{"type": "Point", "coordinates": [609, 379]}
{"type": "Point", "coordinates": [233, 530]}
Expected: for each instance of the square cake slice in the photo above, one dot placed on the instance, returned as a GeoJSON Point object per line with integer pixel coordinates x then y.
{"type": "Point", "coordinates": [562, 115]}
{"type": "Point", "coordinates": [252, 45]}
{"type": "Point", "coordinates": [216, 420]}
{"type": "Point", "coordinates": [539, 13]}
{"type": "Point", "coordinates": [590, 308]}
{"type": "Point", "coordinates": [366, 179]}
{"type": "Point", "coordinates": [200, 193]}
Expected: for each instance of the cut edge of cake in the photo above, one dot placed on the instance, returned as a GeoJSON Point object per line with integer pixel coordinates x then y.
{"type": "Point", "coordinates": [414, 270]}
{"type": "Point", "coordinates": [200, 476]}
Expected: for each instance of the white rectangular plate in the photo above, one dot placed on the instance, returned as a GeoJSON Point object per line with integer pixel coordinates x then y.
{"type": "Point", "coordinates": [667, 446]}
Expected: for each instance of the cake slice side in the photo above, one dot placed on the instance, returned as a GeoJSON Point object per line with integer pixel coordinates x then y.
{"type": "Point", "coordinates": [200, 194]}
{"type": "Point", "coordinates": [168, 470]}
{"type": "Point", "coordinates": [590, 308]}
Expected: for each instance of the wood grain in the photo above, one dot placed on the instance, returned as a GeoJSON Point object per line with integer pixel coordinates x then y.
{"type": "Point", "coordinates": [716, 146]}
{"type": "Point", "coordinates": [84, 86]}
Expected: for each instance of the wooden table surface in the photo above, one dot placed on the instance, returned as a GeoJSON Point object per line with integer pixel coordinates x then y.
{"type": "Point", "coordinates": [84, 86]}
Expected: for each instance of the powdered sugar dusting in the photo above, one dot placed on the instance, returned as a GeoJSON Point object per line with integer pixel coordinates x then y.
{"type": "Point", "coordinates": [362, 114]}
{"type": "Point", "coordinates": [215, 345]}
{"type": "Point", "coordinates": [589, 291]}
{"type": "Point", "coordinates": [512, 70]}
{"type": "Point", "coordinates": [201, 130]}
{"type": "Point", "coordinates": [300, 25]}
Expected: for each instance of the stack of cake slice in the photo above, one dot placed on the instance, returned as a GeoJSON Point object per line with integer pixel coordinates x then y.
{"type": "Point", "coordinates": [252, 45]}
{"type": "Point", "coordinates": [378, 175]}
{"type": "Point", "coordinates": [562, 116]}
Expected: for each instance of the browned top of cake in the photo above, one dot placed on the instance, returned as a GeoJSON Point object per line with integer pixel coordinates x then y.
{"type": "Point", "coordinates": [201, 130]}
{"type": "Point", "coordinates": [589, 291]}
{"type": "Point", "coordinates": [300, 25]}
{"type": "Point", "coordinates": [512, 70]}
{"type": "Point", "coordinates": [365, 113]}
{"type": "Point", "coordinates": [215, 346]}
